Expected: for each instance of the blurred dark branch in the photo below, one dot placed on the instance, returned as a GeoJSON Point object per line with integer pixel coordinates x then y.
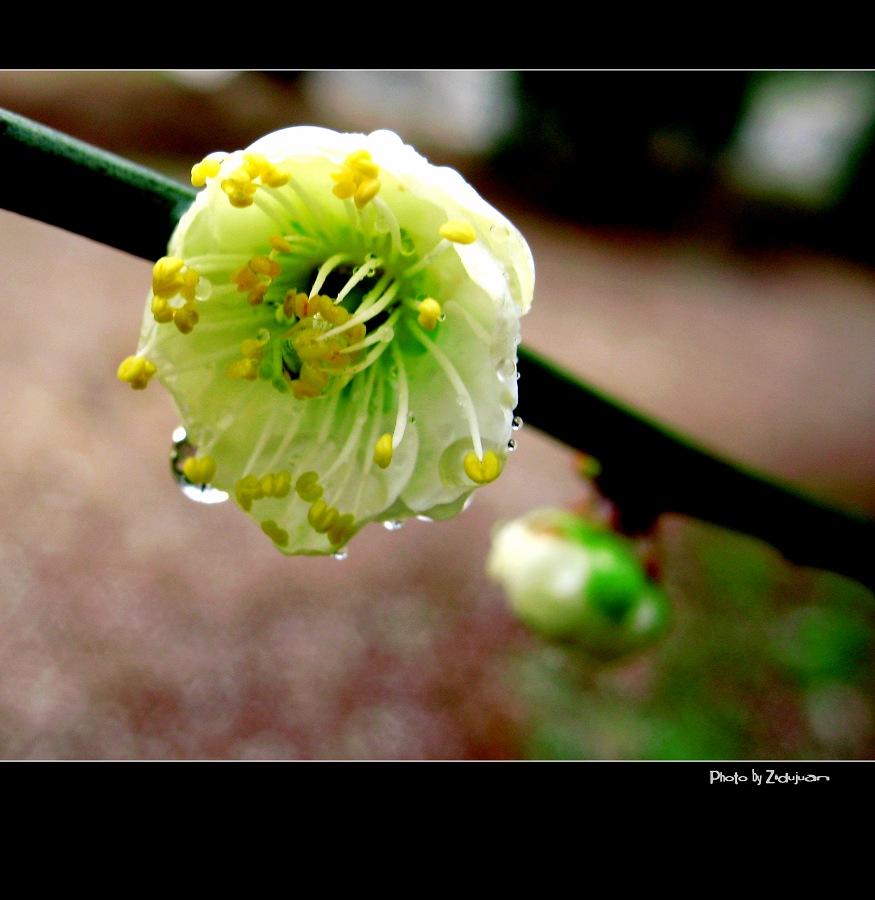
{"type": "Point", "coordinates": [646, 470]}
{"type": "Point", "coordinates": [56, 179]}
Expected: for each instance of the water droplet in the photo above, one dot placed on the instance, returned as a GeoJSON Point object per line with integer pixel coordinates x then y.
{"type": "Point", "coordinates": [341, 554]}
{"type": "Point", "coordinates": [517, 423]}
{"type": "Point", "coordinates": [203, 289]}
{"type": "Point", "coordinates": [442, 317]}
{"type": "Point", "coordinates": [518, 375]}
{"type": "Point", "coordinates": [425, 518]}
{"type": "Point", "coordinates": [182, 450]}
{"type": "Point", "coordinates": [506, 368]}
{"type": "Point", "coordinates": [411, 419]}
{"type": "Point", "coordinates": [393, 525]}
{"type": "Point", "coordinates": [511, 445]}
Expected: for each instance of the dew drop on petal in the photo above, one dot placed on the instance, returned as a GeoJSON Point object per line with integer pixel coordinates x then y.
{"type": "Point", "coordinates": [517, 423]}
{"type": "Point", "coordinates": [511, 445]}
{"type": "Point", "coordinates": [341, 554]}
{"type": "Point", "coordinates": [507, 368]}
{"type": "Point", "coordinates": [182, 450]}
{"type": "Point", "coordinates": [393, 525]}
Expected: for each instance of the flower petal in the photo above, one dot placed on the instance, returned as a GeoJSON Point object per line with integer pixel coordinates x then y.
{"type": "Point", "coordinates": [324, 309]}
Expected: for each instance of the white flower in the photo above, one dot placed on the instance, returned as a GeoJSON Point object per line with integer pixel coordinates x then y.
{"type": "Point", "coordinates": [570, 579]}
{"type": "Point", "coordinates": [337, 321]}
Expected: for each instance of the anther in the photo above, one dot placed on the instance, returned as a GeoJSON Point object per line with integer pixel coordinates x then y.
{"type": "Point", "coordinates": [200, 172]}
{"type": "Point", "coordinates": [280, 244]}
{"type": "Point", "coordinates": [164, 272]}
{"type": "Point", "coordinates": [185, 318]}
{"type": "Point", "coordinates": [458, 231]}
{"type": "Point", "coordinates": [246, 490]}
{"type": "Point", "coordinates": [429, 314]}
{"type": "Point", "coordinates": [340, 529]}
{"type": "Point", "coordinates": [366, 191]}
{"type": "Point", "coordinates": [199, 470]}
{"type": "Point", "coordinates": [482, 471]}
{"type": "Point", "coordinates": [162, 310]}
{"type": "Point", "coordinates": [278, 535]}
{"type": "Point", "coordinates": [136, 371]}
{"type": "Point", "coordinates": [282, 484]}
{"type": "Point", "coordinates": [383, 451]}
{"type": "Point", "coordinates": [357, 179]}
{"type": "Point", "coordinates": [322, 517]}
{"type": "Point", "coordinates": [307, 487]}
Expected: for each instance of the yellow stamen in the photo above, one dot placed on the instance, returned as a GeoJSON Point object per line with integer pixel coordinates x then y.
{"type": "Point", "coordinates": [429, 314]}
{"type": "Point", "coordinates": [264, 265]}
{"type": "Point", "coordinates": [282, 484]}
{"type": "Point", "coordinates": [136, 371]}
{"type": "Point", "coordinates": [340, 529]}
{"type": "Point", "coordinates": [280, 244]}
{"type": "Point", "coordinates": [185, 318]}
{"type": "Point", "coordinates": [252, 348]}
{"type": "Point", "coordinates": [188, 285]}
{"type": "Point", "coordinates": [164, 276]}
{"type": "Point", "coordinates": [383, 451]}
{"type": "Point", "coordinates": [162, 310]}
{"type": "Point", "coordinates": [278, 535]}
{"type": "Point", "coordinates": [200, 172]}
{"type": "Point", "coordinates": [322, 517]}
{"type": "Point", "coordinates": [239, 188]}
{"type": "Point", "coordinates": [458, 231]}
{"type": "Point", "coordinates": [246, 490]}
{"type": "Point", "coordinates": [256, 277]}
{"type": "Point", "coordinates": [244, 368]}
{"type": "Point", "coordinates": [169, 281]}
{"type": "Point", "coordinates": [366, 191]}
{"type": "Point", "coordinates": [482, 471]}
{"type": "Point", "coordinates": [357, 178]}
{"type": "Point", "coordinates": [266, 484]}
{"type": "Point", "coordinates": [307, 487]}
{"type": "Point", "coordinates": [256, 295]}
{"type": "Point", "coordinates": [199, 470]}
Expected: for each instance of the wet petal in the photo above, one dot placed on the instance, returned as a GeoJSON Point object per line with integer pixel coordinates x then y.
{"type": "Point", "coordinates": [338, 329]}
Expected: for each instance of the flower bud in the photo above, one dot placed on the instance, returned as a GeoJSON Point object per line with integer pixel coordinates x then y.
{"type": "Point", "coordinates": [568, 579]}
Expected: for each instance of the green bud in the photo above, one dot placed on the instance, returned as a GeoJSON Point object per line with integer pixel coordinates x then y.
{"type": "Point", "coordinates": [568, 579]}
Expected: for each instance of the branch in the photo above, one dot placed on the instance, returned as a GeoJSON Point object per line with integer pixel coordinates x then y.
{"type": "Point", "coordinates": [646, 470]}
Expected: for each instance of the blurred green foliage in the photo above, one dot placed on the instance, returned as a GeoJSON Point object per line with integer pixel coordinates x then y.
{"type": "Point", "coordinates": [765, 661]}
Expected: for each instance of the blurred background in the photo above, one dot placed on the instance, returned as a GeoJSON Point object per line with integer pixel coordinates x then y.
{"type": "Point", "coordinates": [703, 251]}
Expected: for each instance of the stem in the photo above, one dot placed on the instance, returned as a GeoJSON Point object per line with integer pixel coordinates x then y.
{"type": "Point", "coordinates": [646, 470]}
{"type": "Point", "coordinates": [65, 182]}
